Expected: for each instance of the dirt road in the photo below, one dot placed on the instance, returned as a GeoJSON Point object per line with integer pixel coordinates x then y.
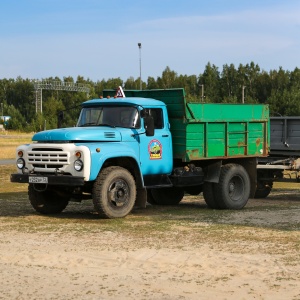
{"type": "Point", "coordinates": [183, 252]}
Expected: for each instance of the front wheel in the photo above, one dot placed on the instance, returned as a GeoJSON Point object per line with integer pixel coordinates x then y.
{"type": "Point", "coordinates": [114, 192]}
{"type": "Point", "coordinates": [233, 189]}
{"type": "Point", "coordinates": [46, 201]}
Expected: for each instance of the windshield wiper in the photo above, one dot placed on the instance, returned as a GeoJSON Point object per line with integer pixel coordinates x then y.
{"type": "Point", "coordinates": [94, 124]}
{"type": "Point", "coordinates": [88, 124]}
{"type": "Point", "coordinates": [105, 124]}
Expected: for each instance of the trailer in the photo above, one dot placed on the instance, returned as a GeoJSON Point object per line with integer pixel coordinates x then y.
{"type": "Point", "coordinates": [282, 164]}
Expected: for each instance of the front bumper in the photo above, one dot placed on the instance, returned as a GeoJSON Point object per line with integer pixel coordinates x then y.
{"type": "Point", "coordinates": [62, 180]}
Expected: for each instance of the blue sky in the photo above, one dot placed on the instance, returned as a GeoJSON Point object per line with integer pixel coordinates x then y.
{"type": "Point", "coordinates": [98, 39]}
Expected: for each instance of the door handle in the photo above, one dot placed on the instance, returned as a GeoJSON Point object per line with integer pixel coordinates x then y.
{"type": "Point", "coordinates": [165, 135]}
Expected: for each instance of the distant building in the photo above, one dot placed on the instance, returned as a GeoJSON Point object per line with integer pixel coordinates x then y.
{"type": "Point", "coordinates": [4, 119]}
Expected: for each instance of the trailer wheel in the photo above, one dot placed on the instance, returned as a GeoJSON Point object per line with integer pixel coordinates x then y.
{"type": "Point", "coordinates": [208, 195]}
{"type": "Point", "coordinates": [194, 190]}
{"type": "Point", "coordinates": [47, 201]}
{"type": "Point", "coordinates": [167, 196]}
{"type": "Point", "coordinates": [263, 189]}
{"type": "Point", "coordinates": [233, 189]}
{"type": "Point", "coordinates": [114, 192]}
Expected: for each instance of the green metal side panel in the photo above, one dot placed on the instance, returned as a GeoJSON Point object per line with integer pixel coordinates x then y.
{"type": "Point", "coordinates": [223, 131]}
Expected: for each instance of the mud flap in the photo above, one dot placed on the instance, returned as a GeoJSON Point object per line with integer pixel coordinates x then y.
{"type": "Point", "coordinates": [213, 172]}
{"type": "Point", "coordinates": [141, 198]}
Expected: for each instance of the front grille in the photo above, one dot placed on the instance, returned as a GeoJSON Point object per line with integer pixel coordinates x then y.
{"type": "Point", "coordinates": [48, 158]}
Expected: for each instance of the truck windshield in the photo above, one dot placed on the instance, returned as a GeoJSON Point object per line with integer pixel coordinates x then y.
{"type": "Point", "coordinates": [115, 116]}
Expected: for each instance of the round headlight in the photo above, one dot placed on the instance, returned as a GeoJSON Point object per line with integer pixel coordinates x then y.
{"type": "Point", "coordinates": [78, 165]}
{"type": "Point", "coordinates": [20, 163]}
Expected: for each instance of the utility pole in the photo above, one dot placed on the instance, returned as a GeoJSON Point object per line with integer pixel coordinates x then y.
{"type": "Point", "coordinates": [202, 92]}
{"type": "Point", "coordinates": [140, 51]}
{"type": "Point", "coordinates": [243, 94]}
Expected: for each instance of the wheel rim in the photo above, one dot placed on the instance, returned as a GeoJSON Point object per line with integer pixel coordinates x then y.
{"type": "Point", "coordinates": [236, 188]}
{"type": "Point", "coordinates": [118, 193]}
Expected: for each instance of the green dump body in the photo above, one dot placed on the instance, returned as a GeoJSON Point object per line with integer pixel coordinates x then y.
{"type": "Point", "coordinates": [212, 130]}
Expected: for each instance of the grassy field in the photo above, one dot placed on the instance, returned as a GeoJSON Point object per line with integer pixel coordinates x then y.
{"type": "Point", "coordinates": [192, 209]}
{"type": "Point", "coordinates": [10, 140]}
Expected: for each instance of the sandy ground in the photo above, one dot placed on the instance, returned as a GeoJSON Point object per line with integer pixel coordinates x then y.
{"type": "Point", "coordinates": [111, 264]}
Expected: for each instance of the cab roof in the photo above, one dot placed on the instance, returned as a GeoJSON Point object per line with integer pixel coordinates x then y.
{"type": "Point", "coordinates": [124, 101]}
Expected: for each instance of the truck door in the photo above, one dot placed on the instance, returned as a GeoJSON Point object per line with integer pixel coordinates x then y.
{"type": "Point", "coordinates": [156, 155]}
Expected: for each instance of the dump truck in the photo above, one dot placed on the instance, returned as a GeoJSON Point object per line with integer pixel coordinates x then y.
{"type": "Point", "coordinates": [150, 146]}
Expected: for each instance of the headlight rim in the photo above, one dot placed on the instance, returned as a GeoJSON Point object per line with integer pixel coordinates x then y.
{"type": "Point", "coordinates": [20, 163]}
{"type": "Point", "coordinates": [78, 167]}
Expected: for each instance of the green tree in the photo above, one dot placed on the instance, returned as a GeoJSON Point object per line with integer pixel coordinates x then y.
{"type": "Point", "coordinates": [211, 80]}
{"type": "Point", "coordinates": [152, 83]}
{"type": "Point", "coordinates": [17, 120]}
{"type": "Point", "coordinates": [229, 83]}
{"type": "Point", "coordinates": [168, 79]}
{"type": "Point", "coordinates": [263, 86]}
{"type": "Point", "coordinates": [50, 111]}
{"type": "Point", "coordinates": [132, 84]}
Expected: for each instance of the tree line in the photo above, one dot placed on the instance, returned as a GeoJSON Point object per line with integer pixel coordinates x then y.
{"type": "Point", "coordinates": [278, 88]}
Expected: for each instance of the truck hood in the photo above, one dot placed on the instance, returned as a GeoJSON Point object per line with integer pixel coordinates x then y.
{"type": "Point", "coordinates": [78, 134]}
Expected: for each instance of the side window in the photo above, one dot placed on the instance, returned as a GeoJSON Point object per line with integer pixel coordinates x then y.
{"type": "Point", "coordinates": [157, 116]}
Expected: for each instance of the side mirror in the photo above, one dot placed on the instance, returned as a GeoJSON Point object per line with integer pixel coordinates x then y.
{"type": "Point", "coordinates": [148, 122]}
{"type": "Point", "coordinates": [149, 125]}
{"type": "Point", "coordinates": [60, 119]}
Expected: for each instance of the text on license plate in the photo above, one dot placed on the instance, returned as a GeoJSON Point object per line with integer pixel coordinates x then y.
{"type": "Point", "coordinates": [38, 179]}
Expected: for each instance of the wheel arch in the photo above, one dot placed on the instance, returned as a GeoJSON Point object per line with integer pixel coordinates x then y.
{"type": "Point", "coordinates": [248, 163]}
{"type": "Point", "coordinates": [128, 163]}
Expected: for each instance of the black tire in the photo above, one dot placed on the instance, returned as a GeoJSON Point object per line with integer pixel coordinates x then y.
{"type": "Point", "coordinates": [263, 189]}
{"type": "Point", "coordinates": [150, 198]}
{"type": "Point", "coordinates": [114, 193]}
{"type": "Point", "coordinates": [208, 195]}
{"type": "Point", "coordinates": [167, 196]}
{"type": "Point", "coordinates": [233, 189]}
{"type": "Point", "coordinates": [194, 190]}
{"type": "Point", "coordinates": [46, 202]}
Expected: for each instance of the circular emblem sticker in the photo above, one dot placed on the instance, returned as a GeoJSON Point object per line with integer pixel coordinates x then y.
{"type": "Point", "coordinates": [155, 149]}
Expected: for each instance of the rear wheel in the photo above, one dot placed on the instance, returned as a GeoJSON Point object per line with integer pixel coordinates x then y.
{"type": "Point", "coordinates": [46, 201]}
{"type": "Point", "coordinates": [233, 189]}
{"type": "Point", "coordinates": [167, 196]}
{"type": "Point", "coordinates": [114, 192]}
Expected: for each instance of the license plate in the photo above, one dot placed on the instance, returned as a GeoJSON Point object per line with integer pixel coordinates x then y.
{"type": "Point", "coordinates": [33, 179]}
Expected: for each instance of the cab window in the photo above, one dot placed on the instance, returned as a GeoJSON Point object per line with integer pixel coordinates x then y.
{"type": "Point", "coordinates": [157, 116]}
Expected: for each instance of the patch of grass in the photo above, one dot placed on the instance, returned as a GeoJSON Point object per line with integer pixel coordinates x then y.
{"type": "Point", "coordinates": [5, 185]}
{"type": "Point", "coordinates": [9, 141]}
